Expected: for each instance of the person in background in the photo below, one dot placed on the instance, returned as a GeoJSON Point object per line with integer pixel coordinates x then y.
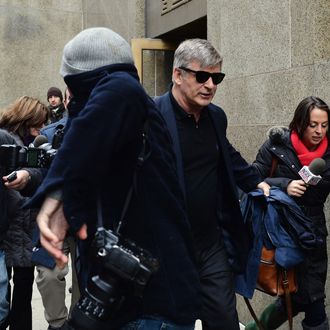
{"type": "Point", "coordinates": [56, 106]}
{"type": "Point", "coordinates": [5, 138]}
{"type": "Point", "coordinates": [23, 120]}
{"type": "Point", "coordinates": [209, 168]}
{"type": "Point", "coordinates": [306, 138]}
{"type": "Point", "coordinates": [93, 174]}
{"type": "Point", "coordinates": [50, 279]}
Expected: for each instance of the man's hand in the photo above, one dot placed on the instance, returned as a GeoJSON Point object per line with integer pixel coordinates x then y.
{"type": "Point", "coordinates": [18, 183]}
{"type": "Point", "coordinates": [265, 187]}
{"type": "Point", "coordinates": [53, 228]}
{"type": "Point", "coordinates": [296, 188]}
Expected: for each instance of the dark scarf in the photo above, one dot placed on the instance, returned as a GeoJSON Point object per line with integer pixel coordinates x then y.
{"type": "Point", "coordinates": [306, 156]}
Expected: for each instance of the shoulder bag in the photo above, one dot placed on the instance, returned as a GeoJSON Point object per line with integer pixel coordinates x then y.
{"type": "Point", "coordinates": [272, 278]}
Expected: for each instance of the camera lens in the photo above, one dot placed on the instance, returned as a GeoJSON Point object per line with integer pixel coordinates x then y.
{"type": "Point", "coordinates": [87, 314]}
{"type": "Point", "coordinates": [100, 300]}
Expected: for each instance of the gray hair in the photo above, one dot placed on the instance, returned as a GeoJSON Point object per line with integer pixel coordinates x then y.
{"type": "Point", "coordinates": [199, 50]}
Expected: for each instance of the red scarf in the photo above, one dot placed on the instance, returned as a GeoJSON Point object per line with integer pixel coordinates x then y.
{"type": "Point", "coordinates": [306, 156]}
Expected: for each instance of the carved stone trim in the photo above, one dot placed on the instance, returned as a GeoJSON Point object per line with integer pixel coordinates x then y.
{"type": "Point", "coordinates": [169, 5]}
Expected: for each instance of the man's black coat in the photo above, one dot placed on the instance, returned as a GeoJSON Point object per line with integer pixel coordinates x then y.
{"type": "Point", "coordinates": [233, 170]}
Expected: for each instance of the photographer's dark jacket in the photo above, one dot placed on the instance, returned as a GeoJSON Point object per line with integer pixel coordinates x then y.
{"type": "Point", "coordinates": [5, 138]}
{"type": "Point", "coordinates": [279, 145]}
{"type": "Point", "coordinates": [17, 238]}
{"type": "Point", "coordinates": [233, 170]}
{"type": "Point", "coordinates": [98, 158]}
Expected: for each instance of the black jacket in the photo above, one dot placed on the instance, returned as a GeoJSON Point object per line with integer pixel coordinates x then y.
{"type": "Point", "coordinates": [16, 223]}
{"type": "Point", "coordinates": [313, 271]}
{"type": "Point", "coordinates": [5, 138]}
{"type": "Point", "coordinates": [98, 158]}
{"type": "Point", "coordinates": [233, 171]}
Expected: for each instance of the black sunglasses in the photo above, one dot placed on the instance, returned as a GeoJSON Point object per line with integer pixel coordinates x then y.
{"type": "Point", "coordinates": [204, 76]}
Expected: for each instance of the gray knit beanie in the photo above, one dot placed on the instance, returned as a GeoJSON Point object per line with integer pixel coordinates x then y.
{"type": "Point", "coordinates": [93, 48]}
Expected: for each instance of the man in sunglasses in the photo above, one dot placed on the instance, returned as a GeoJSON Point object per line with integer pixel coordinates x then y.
{"type": "Point", "coordinates": [208, 170]}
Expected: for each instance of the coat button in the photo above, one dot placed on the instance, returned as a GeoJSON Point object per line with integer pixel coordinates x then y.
{"type": "Point", "coordinates": [292, 166]}
{"type": "Point", "coordinates": [282, 156]}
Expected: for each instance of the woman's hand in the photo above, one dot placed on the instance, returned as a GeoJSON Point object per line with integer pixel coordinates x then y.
{"type": "Point", "coordinates": [296, 188]}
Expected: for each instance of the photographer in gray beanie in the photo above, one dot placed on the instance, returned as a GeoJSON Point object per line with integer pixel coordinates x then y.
{"type": "Point", "coordinates": [143, 277]}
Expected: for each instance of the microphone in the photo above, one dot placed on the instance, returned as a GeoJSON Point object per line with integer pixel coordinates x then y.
{"type": "Point", "coordinates": [38, 141]}
{"type": "Point", "coordinates": [311, 174]}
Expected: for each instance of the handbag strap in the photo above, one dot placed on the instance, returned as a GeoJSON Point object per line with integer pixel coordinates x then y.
{"type": "Point", "coordinates": [284, 273]}
{"type": "Point", "coordinates": [256, 320]}
{"type": "Point", "coordinates": [287, 303]}
{"type": "Point", "coordinates": [287, 296]}
{"type": "Point", "coordinates": [273, 167]}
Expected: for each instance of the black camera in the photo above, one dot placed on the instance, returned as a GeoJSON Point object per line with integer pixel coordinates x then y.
{"type": "Point", "coordinates": [58, 136]}
{"type": "Point", "coordinates": [121, 269]}
{"type": "Point", "coordinates": [13, 156]}
{"type": "Point", "coordinates": [39, 154]}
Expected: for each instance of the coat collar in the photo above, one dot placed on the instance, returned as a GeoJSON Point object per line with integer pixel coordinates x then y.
{"type": "Point", "coordinates": [83, 83]}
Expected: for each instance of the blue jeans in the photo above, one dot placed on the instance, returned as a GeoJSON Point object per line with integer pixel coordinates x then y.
{"type": "Point", "coordinates": [4, 304]}
{"type": "Point", "coordinates": [155, 324]}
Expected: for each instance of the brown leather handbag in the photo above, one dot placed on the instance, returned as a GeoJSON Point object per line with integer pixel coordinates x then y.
{"type": "Point", "coordinates": [275, 281]}
{"type": "Point", "coordinates": [272, 278]}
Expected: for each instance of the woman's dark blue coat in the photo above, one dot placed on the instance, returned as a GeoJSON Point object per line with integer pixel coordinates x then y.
{"type": "Point", "coordinates": [98, 158]}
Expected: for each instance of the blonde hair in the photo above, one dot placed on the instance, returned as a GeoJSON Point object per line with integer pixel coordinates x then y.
{"type": "Point", "coordinates": [26, 112]}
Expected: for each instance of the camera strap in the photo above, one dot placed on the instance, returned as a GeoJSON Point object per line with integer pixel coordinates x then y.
{"type": "Point", "coordinates": [142, 157]}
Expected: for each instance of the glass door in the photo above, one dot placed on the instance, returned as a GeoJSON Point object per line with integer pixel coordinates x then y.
{"type": "Point", "coordinates": [153, 59]}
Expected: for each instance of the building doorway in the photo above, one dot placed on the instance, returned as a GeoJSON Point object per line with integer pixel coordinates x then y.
{"type": "Point", "coordinates": [153, 57]}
